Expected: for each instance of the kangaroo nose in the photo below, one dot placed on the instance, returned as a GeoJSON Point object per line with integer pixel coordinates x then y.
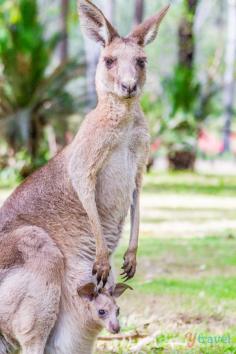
{"type": "Point", "coordinates": [115, 327]}
{"type": "Point", "coordinates": [129, 89]}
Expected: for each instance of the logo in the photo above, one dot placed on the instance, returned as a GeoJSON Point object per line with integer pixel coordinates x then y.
{"type": "Point", "coordinates": [193, 339]}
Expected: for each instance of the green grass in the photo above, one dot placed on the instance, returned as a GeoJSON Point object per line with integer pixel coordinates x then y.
{"type": "Point", "coordinates": [9, 177]}
{"type": "Point", "coordinates": [190, 183]}
{"type": "Point", "coordinates": [213, 252]}
{"type": "Point", "coordinates": [186, 277]}
{"type": "Point", "coordinates": [217, 287]}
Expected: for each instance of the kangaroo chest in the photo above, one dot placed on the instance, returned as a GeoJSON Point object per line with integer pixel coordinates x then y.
{"type": "Point", "coordinates": [116, 180]}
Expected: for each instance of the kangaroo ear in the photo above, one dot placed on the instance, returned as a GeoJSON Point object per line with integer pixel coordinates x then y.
{"type": "Point", "coordinates": [147, 31]}
{"type": "Point", "coordinates": [94, 23]}
{"type": "Point", "coordinates": [120, 289]}
{"type": "Point", "coordinates": [88, 291]}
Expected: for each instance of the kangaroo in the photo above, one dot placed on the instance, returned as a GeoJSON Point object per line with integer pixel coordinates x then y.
{"type": "Point", "coordinates": [97, 310]}
{"type": "Point", "coordinates": [63, 223]}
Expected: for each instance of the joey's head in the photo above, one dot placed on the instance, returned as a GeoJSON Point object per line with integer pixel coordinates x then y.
{"type": "Point", "coordinates": [121, 69]}
{"type": "Point", "coordinates": [103, 309]}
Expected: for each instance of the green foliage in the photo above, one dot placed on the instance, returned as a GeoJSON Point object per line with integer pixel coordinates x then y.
{"type": "Point", "coordinates": [179, 132]}
{"type": "Point", "coordinates": [10, 174]}
{"type": "Point", "coordinates": [31, 89]}
{"type": "Point", "coordinates": [180, 126]}
{"type": "Point", "coordinates": [177, 126]}
{"type": "Point", "coordinates": [153, 109]}
{"type": "Point", "coordinates": [24, 52]}
{"type": "Point", "coordinates": [182, 90]}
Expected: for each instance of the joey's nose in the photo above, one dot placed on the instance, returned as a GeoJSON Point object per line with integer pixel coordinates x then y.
{"type": "Point", "coordinates": [129, 89]}
{"type": "Point", "coordinates": [115, 327]}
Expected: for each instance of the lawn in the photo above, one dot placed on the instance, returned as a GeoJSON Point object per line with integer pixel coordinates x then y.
{"type": "Point", "coordinates": [185, 287]}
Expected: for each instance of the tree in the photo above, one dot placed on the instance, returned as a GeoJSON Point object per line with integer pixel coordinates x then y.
{"type": "Point", "coordinates": [138, 12]}
{"type": "Point", "coordinates": [229, 81]}
{"type": "Point", "coordinates": [186, 37]}
{"type": "Point", "coordinates": [28, 93]}
{"type": "Point", "coordinates": [64, 30]}
{"type": "Point", "coordinates": [183, 91]}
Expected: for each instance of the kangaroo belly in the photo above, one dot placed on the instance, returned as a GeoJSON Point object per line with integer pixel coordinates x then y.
{"type": "Point", "coordinates": [115, 187]}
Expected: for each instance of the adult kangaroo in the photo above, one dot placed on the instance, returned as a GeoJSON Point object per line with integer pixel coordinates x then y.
{"type": "Point", "coordinates": [64, 222]}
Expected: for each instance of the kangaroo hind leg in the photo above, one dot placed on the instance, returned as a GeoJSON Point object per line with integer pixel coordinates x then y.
{"type": "Point", "coordinates": [30, 294]}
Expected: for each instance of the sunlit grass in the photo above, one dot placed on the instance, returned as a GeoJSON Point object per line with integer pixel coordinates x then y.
{"type": "Point", "coordinates": [186, 278]}
{"type": "Point", "coordinates": [190, 183]}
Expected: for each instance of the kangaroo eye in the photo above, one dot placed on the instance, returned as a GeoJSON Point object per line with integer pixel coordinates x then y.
{"type": "Point", "coordinates": [101, 313]}
{"type": "Point", "coordinates": [141, 62]}
{"type": "Point", "coordinates": [109, 61]}
{"type": "Point", "coordinates": [117, 312]}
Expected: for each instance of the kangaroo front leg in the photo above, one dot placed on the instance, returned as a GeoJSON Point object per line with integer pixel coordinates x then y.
{"type": "Point", "coordinates": [88, 153]}
{"type": "Point", "coordinates": [83, 172]}
{"type": "Point", "coordinates": [101, 266]}
{"type": "Point", "coordinates": [129, 265]}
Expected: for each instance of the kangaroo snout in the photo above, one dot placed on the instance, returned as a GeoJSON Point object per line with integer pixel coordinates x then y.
{"type": "Point", "coordinates": [129, 89]}
{"type": "Point", "coordinates": [114, 327]}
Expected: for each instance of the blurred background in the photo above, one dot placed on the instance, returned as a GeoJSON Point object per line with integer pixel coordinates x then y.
{"type": "Point", "coordinates": [186, 282]}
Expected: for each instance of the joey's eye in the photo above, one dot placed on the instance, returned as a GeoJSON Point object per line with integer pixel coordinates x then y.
{"type": "Point", "coordinates": [141, 62]}
{"type": "Point", "coordinates": [109, 61]}
{"type": "Point", "coordinates": [101, 313]}
{"type": "Point", "coordinates": [117, 312]}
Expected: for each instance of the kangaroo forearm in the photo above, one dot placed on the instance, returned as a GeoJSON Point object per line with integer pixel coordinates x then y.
{"type": "Point", "coordinates": [83, 173]}
{"type": "Point", "coordinates": [129, 266]}
{"type": "Point", "coordinates": [135, 213]}
{"type": "Point", "coordinates": [89, 205]}
{"type": "Point", "coordinates": [135, 221]}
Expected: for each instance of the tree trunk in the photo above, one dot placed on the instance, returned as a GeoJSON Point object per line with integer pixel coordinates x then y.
{"type": "Point", "coordinates": [29, 130]}
{"type": "Point", "coordinates": [182, 160]}
{"type": "Point", "coordinates": [186, 35]}
{"type": "Point", "coordinates": [185, 159]}
{"type": "Point", "coordinates": [64, 30]}
{"type": "Point", "coordinates": [64, 46]}
{"type": "Point", "coordinates": [33, 144]}
{"type": "Point", "coordinates": [138, 12]}
{"type": "Point", "coordinates": [229, 82]}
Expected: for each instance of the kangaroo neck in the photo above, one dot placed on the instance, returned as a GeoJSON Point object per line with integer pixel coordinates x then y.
{"type": "Point", "coordinates": [86, 345]}
{"type": "Point", "coordinates": [87, 337]}
{"type": "Point", "coordinates": [113, 106]}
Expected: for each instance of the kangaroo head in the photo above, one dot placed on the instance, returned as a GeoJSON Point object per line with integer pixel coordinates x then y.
{"type": "Point", "coordinates": [122, 65]}
{"type": "Point", "coordinates": [104, 311]}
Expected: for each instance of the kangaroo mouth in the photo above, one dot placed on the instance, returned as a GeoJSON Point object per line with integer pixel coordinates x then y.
{"type": "Point", "coordinates": [130, 96]}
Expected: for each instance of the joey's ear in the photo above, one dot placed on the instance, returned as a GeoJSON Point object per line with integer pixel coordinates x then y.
{"type": "Point", "coordinates": [95, 24]}
{"type": "Point", "coordinates": [120, 289]}
{"type": "Point", "coordinates": [146, 32]}
{"type": "Point", "coordinates": [88, 291]}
